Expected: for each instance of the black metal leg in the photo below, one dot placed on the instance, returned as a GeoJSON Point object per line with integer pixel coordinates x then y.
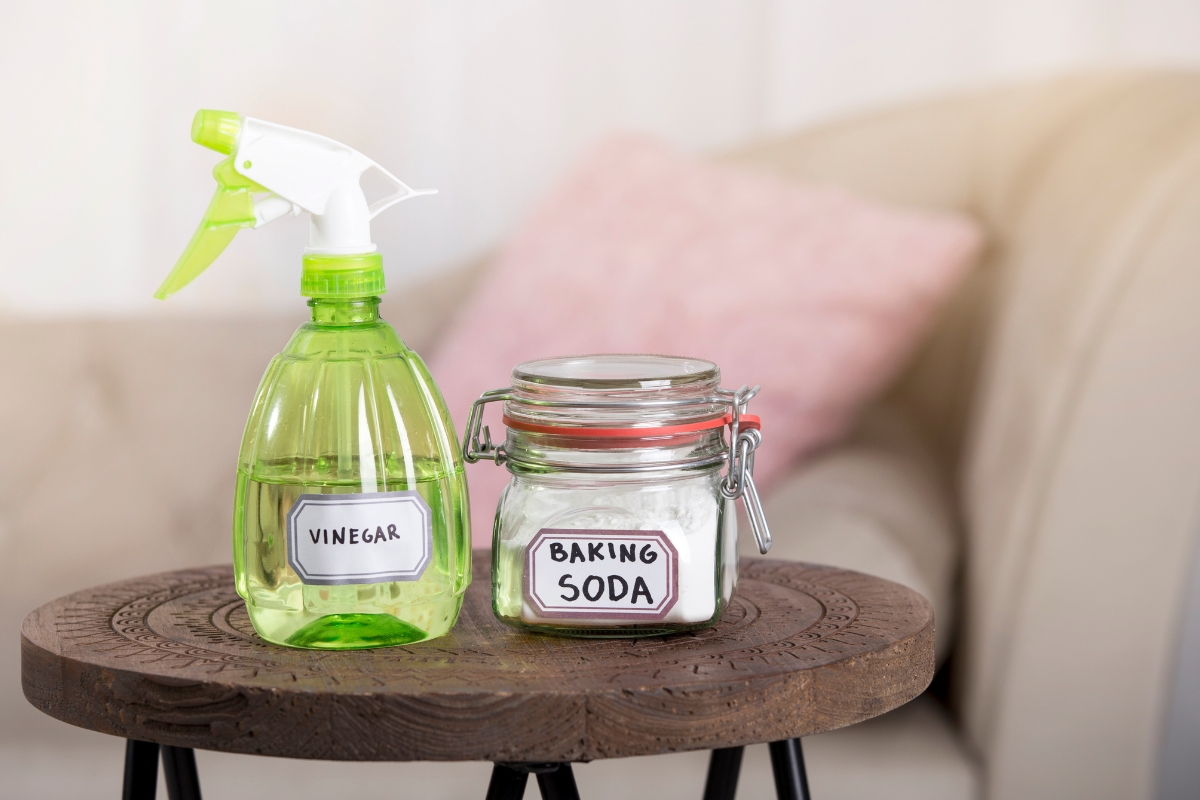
{"type": "Point", "coordinates": [723, 768]}
{"type": "Point", "coordinates": [179, 770]}
{"type": "Point", "coordinates": [787, 762]}
{"type": "Point", "coordinates": [508, 782]}
{"type": "Point", "coordinates": [557, 783]}
{"type": "Point", "coordinates": [141, 770]}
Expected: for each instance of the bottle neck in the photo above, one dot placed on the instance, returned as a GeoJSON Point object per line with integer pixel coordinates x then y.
{"type": "Point", "coordinates": [339, 311]}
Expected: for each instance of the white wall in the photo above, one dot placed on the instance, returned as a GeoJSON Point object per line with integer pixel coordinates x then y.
{"type": "Point", "coordinates": [487, 100]}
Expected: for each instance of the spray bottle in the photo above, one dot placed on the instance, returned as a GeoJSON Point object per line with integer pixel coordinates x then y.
{"type": "Point", "coordinates": [350, 525]}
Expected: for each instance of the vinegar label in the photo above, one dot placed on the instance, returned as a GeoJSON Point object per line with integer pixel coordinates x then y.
{"type": "Point", "coordinates": [601, 574]}
{"type": "Point", "coordinates": [336, 539]}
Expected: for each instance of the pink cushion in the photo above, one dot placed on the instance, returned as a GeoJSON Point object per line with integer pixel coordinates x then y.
{"type": "Point", "coordinates": [812, 292]}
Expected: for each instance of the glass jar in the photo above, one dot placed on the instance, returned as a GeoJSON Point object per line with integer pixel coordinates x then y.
{"type": "Point", "coordinates": [617, 520]}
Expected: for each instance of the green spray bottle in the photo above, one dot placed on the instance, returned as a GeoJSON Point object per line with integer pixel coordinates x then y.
{"type": "Point", "coordinates": [351, 526]}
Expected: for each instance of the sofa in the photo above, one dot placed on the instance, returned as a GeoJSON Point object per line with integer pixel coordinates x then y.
{"type": "Point", "coordinates": [1035, 471]}
{"type": "Point", "coordinates": [1057, 398]}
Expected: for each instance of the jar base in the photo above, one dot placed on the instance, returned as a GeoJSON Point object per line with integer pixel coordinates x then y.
{"type": "Point", "coordinates": [613, 632]}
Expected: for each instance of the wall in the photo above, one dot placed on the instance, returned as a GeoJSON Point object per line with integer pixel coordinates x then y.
{"type": "Point", "coordinates": [486, 100]}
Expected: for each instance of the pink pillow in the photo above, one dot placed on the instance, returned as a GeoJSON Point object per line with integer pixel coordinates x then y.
{"type": "Point", "coordinates": [812, 292]}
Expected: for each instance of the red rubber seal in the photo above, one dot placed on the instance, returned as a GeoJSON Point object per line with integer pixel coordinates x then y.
{"type": "Point", "coordinates": [746, 421]}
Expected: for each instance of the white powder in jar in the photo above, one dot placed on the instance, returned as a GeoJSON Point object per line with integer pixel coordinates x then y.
{"type": "Point", "coordinates": [687, 510]}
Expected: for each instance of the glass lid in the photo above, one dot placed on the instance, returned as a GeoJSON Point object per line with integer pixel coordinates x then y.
{"type": "Point", "coordinates": [617, 371]}
{"type": "Point", "coordinates": [614, 391]}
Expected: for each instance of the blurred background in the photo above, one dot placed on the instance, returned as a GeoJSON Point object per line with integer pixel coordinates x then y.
{"type": "Point", "coordinates": [1069, 128]}
{"type": "Point", "coordinates": [486, 101]}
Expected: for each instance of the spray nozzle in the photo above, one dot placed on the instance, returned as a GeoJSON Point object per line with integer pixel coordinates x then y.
{"type": "Point", "coordinates": [216, 130]}
{"type": "Point", "coordinates": [290, 171]}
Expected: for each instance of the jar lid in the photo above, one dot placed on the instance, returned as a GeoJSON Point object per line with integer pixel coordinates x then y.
{"type": "Point", "coordinates": [615, 395]}
{"type": "Point", "coordinates": [617, 371]}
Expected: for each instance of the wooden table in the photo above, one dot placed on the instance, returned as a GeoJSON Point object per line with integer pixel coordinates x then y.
{"type": "Point", "coordinates": [172, 659]}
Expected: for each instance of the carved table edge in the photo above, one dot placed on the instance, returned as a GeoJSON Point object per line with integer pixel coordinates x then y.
{"type": "Point", "coordinates": [913, 655]}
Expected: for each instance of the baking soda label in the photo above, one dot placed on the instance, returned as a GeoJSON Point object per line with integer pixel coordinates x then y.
{"type": "Point", "coordinates": [601, 574]}
{"type": "Point", "coordinates": [335, 539]}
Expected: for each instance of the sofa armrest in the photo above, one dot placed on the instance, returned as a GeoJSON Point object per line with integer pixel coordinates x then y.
{"type": "Point", "coordinates": [878, 503]}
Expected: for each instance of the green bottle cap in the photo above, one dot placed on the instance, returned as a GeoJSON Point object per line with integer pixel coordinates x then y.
{"type": "Point", "coordinates": [359, 275]}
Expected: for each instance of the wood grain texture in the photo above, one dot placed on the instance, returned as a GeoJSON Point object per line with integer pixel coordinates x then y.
{"type": "Point", "coordinates": [172, 658]}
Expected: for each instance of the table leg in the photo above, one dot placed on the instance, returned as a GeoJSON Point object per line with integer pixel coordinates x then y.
{"type": "Point", "coordinates": [141, 770]}
{"type": "Point", "coordinates": [723, 768]}
{"type": "Point", "coordinates": [179, 770]}
{"type": "Point", "coordinates": [557, 782]}
{"type": "Point", "coordinates": [508, 782]}
{"type": "Point", "coordinates": [787, 762]}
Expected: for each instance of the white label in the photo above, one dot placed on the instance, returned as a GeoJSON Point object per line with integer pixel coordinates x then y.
{"type": "Point", "coordinates": [601, 574]}
{"type": "Point", "coordinates": [335, 539]}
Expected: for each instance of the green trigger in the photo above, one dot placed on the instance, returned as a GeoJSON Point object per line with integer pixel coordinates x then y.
{"type": "Point", "coordinates": [231, 208]}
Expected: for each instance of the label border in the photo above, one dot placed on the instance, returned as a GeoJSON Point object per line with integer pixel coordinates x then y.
{"type": "Point", "coordinates": [597, 533]}
{"type": "Point", "coordinates": [409, 496]}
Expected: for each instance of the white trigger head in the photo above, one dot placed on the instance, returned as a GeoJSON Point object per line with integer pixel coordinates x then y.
{"type": "Point", "coordinates": [309, 172]}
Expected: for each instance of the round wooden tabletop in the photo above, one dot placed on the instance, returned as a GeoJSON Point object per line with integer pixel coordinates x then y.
{"type": "Point", "coordinates": [172, 658]}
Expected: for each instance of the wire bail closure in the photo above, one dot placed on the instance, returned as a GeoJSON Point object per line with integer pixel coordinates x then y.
{"type": "Point", "coordinates": [744, 439]}
{"type": "Point", "coordinates": [474, 449]}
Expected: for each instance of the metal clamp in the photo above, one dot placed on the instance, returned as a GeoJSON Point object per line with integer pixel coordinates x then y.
{"type": "Point", "coordinates": [739, 478]}
{"type": "Point", "coordinates": [474, 449]}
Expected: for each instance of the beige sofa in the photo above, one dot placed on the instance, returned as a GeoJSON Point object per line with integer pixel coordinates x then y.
{"type": "Point", "coordinates": [1061, 396]}
{"type": "Point", "coordinates": [1036, 472]}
